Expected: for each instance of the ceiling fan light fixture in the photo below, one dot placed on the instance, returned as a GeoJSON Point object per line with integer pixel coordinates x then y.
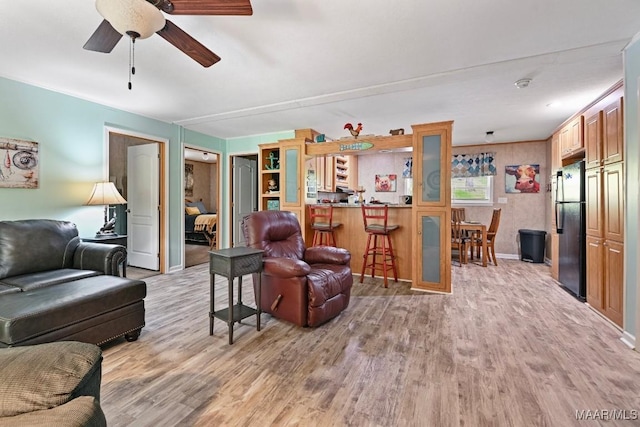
{"type": "Point", "coordinates": [127, 16]}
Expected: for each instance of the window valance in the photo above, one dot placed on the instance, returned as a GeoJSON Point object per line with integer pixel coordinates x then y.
{"type": "Point", "coordinates": [470, 165]}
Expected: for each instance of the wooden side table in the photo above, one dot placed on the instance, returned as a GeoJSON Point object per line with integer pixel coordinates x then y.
{"type": "Point", "coordinates": [115, 239]}
{"type": "Point", "coordinates": [232, 263]}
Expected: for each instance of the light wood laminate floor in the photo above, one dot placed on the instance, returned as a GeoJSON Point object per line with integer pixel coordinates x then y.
{"type": "Point", "coordinates": [508, 348]}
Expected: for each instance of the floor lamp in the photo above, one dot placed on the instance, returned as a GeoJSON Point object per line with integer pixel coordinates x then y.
{"type": "Point", "coordinates": [105, 194]}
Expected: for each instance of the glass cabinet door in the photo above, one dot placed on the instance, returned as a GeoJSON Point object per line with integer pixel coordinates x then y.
{"type": "Point", "coordinates": [292, 176]}
{"type": "Point", "coordinates": [431, 209]}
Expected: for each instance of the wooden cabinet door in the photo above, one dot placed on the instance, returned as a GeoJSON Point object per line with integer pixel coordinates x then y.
{"type": "Point", "coordinates": [613, 199]}
{"type": "Point", "coordinates": [556, 158]}
{"type": "Point", "coordinates": [330, 174]}
{"type": "Point", "coordinates": [576, 134]}
{"type": "Point", "coordinates": [564, 139]}
{"type": "Point", "coordinates": [593, 140]}
{"type": "Point", "coordinates": [432, 250]}
{"type": "Point", "coordinates": [555, 254]}
{"type": "Point", "coordinates": [613, 143]}
{"type": "Point", "coordinates": [613, 281]}
{"type": "Point", "coordinates": [291, 175]}
{"type": "Point", "coordinates": [595, 273]}
{"type": "Point", "coordinates": [432, 168]}
{"type": "Point", "coordinates": [593, 181]}
{"type": "Point", "coordinates": [320, 173]}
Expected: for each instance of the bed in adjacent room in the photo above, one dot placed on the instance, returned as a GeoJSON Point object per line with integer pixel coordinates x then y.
{"type": "Point", "coordinates": [200, 225]}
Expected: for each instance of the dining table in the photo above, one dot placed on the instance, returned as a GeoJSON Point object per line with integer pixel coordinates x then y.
{"type": "Point", "coordinates": [482, 228]}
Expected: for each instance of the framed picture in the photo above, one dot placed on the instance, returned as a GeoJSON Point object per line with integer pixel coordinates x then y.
{"type": "Point", "coordinates": [273, 205]}
{"type": "Point", "coordinates": [188, 179]}
{"type": "Point", "coordinates": [522, 179]}
{"type": "Point", "coordinates": [20, 160]}
{"type": "Point", "coordinates": [386, 183]}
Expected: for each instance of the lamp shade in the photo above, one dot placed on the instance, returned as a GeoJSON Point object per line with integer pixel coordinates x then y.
{"type": "Point", "coordinates": [138, 16]}
{"type": "Point", "coordinates": [105, 193]}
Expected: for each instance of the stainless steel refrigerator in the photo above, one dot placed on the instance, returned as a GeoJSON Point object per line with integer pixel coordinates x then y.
{"type": "Point", "coordinates": [570, 224]}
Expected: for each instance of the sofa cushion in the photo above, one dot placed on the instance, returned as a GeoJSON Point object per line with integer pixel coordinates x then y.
{"type": "Point", "coordinates": [47, 278]}
{"type": "Point", "coordinates": [83, 411]}
{"type": "Point", "coordinates": [36, 312]}
{"type": "Point", "coordinates": [33, 245]}
{"type": "Point", "coordinates": [6, 289]}
{"type": "Point", "coordinates": [43, 376]}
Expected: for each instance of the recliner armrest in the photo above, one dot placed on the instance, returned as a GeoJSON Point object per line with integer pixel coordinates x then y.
{"type": "Point", "coordinates": [99, 257]}
{"type": "Point", "coordinates": [285, 267]}
{"type": "Point", "coordinates": [327, 255]}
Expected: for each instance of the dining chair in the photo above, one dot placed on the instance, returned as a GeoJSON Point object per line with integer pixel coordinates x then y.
{"type": "Point", "coordinates": [457, 213]}
{"type": "Point", "coordinates": [476, 238]}
{"type": "Point", "coordinates": [459, 240]}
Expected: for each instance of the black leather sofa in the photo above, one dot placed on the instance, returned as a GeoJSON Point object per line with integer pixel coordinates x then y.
{"type": "Point", "coordinates": [55, 287]}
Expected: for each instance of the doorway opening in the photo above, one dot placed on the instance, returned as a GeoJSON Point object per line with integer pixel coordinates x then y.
{"type": "Point", "coordinates": [201, 204]}
{"type": "Point", "coordinates": [137, 163]}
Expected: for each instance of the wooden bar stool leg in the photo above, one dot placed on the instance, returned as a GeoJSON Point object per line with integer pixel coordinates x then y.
{"type": "Point", "coordinates": [384, 261]}
{"type": "Point", "coordinates": [375, 250]}
{"type": "Point", "coordinates": [393, 259]}
{"type": "Point", "coordinates": [366, 258]}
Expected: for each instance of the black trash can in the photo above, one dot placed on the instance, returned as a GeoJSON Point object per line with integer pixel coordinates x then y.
{"type": "Point", "coordinates": [532, 245]}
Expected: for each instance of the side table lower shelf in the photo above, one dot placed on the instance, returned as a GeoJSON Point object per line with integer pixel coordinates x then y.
{"type": "Point", "coordinates": [240, 311]}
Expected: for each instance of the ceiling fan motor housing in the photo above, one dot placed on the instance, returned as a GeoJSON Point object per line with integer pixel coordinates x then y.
{"type": "Point", "coordinates": [127, 16]}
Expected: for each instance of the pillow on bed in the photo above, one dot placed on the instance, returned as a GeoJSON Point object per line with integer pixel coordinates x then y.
{"type": "Point", "coordinates": [198, 205]}
{"type": "Point", "coordinates": [192, 210]}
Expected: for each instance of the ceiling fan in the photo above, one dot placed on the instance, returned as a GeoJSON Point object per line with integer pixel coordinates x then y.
{"type": "Point", "coordinates": [139, 19]}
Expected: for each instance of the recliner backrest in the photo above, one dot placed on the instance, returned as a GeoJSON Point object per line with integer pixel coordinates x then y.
{"type": "Point", "coordinates": [277, 233]}
{"type": "Point", "coordinates": [33, 245]}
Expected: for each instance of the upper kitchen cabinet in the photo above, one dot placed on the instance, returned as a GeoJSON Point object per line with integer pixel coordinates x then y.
{"type": "Point", "coordinates": [432, 165]}
{"type": "Point", "coordinates": [572, 138]}
{"type": "Point", "coordinates": [612, 144]}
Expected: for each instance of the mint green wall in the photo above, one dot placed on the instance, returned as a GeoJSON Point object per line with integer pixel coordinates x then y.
{"type": "Point", "coordinates": [70, 133]}
{"type": "Point", "coordinates": [244, 145]}
{"type": "Point", "coordinates": [631, 160]}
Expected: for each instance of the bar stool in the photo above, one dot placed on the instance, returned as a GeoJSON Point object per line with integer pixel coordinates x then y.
{"type": "Point", "coordinates": [321, 218]}
{"type": "Point", "coordinates": [375, 224]}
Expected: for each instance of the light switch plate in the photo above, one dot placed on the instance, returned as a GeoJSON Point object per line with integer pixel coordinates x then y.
{"type": "Point", "coordinates": [502, 200]}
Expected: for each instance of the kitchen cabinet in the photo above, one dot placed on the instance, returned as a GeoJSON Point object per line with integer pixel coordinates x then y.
{"type": "Point", "coordinates": [431, 215]}
{"type": "Point", "coordinates": [604, 180]}
{"type": "Point", "coordinates": [571, 138]}
{"type": "Point", "coordinates": [593, 140]}
{"type": "Point", "coordinates": [613, 142]}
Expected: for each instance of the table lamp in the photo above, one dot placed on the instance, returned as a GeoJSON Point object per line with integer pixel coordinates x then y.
{"type": "Point", "coordinates": [105, 193]}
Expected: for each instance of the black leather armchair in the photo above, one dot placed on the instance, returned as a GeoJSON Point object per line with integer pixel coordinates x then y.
{"type": "Point", "coordinates": [305, 286]}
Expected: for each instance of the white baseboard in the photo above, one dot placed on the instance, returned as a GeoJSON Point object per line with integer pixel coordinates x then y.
{"type": "Point", "coordinates": [508, 256]}
{"type": "Point", "coordinates": [628, 339]}
{"type": "Point", "coordinates": [176, 268]}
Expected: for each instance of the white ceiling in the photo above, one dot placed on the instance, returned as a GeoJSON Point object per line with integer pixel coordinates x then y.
{"type": "Point", "coordinates": [321, 63]}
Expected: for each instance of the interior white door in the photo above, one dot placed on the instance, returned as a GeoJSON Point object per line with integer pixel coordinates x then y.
{"type": "Point", "coordinates": [245, 194]}
{"type": "Point", "coordinates": [143, 201]}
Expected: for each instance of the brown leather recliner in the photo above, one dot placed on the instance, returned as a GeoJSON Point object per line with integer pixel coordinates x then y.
{"type": "Point", "coordinates": [305, 286]}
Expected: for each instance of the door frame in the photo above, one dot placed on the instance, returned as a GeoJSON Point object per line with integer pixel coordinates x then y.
{"type": "Point", "coordinates": [219, 209]}
{"type": "Point", "coordinates": [164, 185]}
{"type": "Point", "coordinates": [230, 158]}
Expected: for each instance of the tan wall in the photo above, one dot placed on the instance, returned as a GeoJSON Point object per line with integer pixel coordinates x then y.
{"type": "Point", "coordinates": [370, 165]}
{"type": "Point", "coordinates": [522, 211]}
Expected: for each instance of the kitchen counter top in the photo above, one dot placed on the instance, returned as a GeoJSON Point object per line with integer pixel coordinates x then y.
{"type": "Point", "coordinates": [357, 205]}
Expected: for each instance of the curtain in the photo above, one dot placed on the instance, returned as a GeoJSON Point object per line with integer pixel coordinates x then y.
{"type": "Point", "coordinates": [466, 165]}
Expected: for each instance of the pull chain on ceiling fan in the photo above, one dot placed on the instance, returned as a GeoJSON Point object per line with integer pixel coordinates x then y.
{"type": "Point", "coordinates": [140, 19]}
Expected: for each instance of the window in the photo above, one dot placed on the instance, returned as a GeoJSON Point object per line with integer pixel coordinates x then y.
{"type": "Point", "coordinates": [472, 190]}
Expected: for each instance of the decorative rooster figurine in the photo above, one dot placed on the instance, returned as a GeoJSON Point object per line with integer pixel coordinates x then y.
{"type": "Point", "coordinates": [355, 132]}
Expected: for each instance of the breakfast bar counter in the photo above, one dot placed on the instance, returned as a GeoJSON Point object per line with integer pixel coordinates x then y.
{"type": "Point", "coordinates": [351, 235]}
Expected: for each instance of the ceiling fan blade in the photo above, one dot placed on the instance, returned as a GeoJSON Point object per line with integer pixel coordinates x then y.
{"type": "Point", "coordinates": [192, 47]}
{"type": "Point", "coordinates": [211, 7]}
{"type": "Point", "coordinates": [104, 39]}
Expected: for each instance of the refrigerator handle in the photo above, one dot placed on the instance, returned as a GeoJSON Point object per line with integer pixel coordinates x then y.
{"type": "Point", "coordinates": [559, 215]}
